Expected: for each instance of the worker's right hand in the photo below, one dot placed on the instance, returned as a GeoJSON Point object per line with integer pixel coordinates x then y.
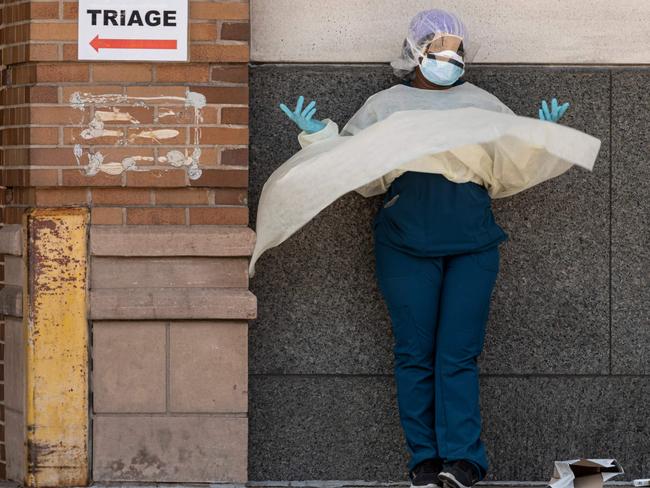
{"type": "Point", "coordinates": [555, 113]}
{"type": "Point", "coordinates": [303, 117]}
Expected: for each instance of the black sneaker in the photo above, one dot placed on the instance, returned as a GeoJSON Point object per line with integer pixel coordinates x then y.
{"type": "Point", "coordinates": [425, 474]}
{"type": "Point", "coordinates": [459, 474]}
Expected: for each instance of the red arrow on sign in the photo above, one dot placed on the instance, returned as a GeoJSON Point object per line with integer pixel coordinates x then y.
{"type": "Point", "coordinates": [98, 43]}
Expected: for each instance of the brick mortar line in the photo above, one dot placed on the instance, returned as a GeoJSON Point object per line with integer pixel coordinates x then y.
{"type": "Point", "coordinates": [172, 414]}
{"type": "Point", "coordinates": [159, 166]}
{"type": "Point", "coordinates": [174, 103]}
{"type": "Point", "coordinates": [116, 126]}
{"type": "Point", "coordinates": [213, 64]}
{"type": "Point", "coordinates": [72, 42]}
{"type": "Point", "coordinates": [99, 62]}
{"type": "Point", "coordinates": [191, 1]}
{"type": "Point", "coordinates": [57, 21]}
{"type": "Point", "coordinates": [119, 126]}
{"type": "Point", "coordinates": [154, 71]}
{"type": "Point", "coordinates": [11, 409]}
{"type": "Point", "coordinates": [168, 393]}
{"type": "Point", "coordinates": [73, 21]}
{"type": "Point", "coordinates": [72, 165]}
{"type": "Point", "coordinates": [148, 168]}
{"type": "Point", "coordinates": [133, 126]}
{"type": "Point", "coordinates": [109, 146]}
{"type": "Point", "coordinates": [67, 104]}
{"type": "Point", "coordinates": [161, 205]}
{"type": "Point", "coordinates": [15, 24]}
{"type": "Point", "coordinates": [123, 85]}
{"type": "Point", "coordinates": [215, 42]}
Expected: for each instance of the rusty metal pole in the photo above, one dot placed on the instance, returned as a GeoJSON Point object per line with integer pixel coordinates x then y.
{"type": "Point", "coordinates": [57, 347]}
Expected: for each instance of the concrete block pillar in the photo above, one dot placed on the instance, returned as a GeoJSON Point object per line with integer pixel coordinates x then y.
{"type": "Point", "coordinates": [169, 306]}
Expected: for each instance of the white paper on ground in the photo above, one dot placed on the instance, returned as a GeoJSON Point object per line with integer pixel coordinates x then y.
{"type": "Point", "coordinates": [584, 473]}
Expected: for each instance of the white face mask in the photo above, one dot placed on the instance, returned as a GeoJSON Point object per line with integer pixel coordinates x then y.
{"type": "Point", "coordinates": [440, 72]}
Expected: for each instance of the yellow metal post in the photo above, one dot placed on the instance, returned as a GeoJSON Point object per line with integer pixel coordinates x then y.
{"type": "Point", "coordinates": [56, 331]}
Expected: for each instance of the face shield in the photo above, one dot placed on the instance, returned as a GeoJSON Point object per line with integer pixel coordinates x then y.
{"type": "Point", "coordinates": [434, 33]}
{"type": "Point", "coordinates": [445, 48]}
{"type": "Point", "coordinates": [443, 60]}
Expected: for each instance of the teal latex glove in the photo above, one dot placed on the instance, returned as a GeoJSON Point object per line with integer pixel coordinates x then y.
{"type": "Point", "coordinates": [303, 117]}
{"type": "Point", "coordinates": [556, 112]}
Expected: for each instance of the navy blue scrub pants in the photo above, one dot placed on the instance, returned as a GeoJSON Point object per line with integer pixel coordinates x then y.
{"type": "Point", "coordinates": [439, 310]}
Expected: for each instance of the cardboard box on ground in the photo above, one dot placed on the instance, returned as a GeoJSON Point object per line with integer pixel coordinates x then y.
{"type": "Point", "coordinates": [584, 473]}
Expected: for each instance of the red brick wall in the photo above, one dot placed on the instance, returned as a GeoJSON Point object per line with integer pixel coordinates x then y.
{"type": "Point", "coordinates": [41, 127]}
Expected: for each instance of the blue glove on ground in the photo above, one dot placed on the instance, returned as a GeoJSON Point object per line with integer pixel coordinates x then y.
{"type": "Point", "coordinates": [303, 117]}
{"type": "Point", "coordinates": [556, 112]}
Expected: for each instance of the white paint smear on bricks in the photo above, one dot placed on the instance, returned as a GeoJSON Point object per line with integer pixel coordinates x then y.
{"type": "Point", "coordinates": [105, 109]}
{"type": "Point", "coordinates": [509, 31]}
{"type": "Point", "coordinates": [115, 116]}
{"type": "Point", "coordinates": [156, 135]}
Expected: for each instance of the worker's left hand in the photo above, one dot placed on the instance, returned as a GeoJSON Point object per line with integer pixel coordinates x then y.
{"type": "Point", "coordinates": [556, 112]}
{"type": "Point", "coordinates": [303, 117]}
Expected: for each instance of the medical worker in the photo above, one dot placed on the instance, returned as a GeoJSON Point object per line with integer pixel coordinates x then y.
{"type": "Point", "coordinates": [436, 247]}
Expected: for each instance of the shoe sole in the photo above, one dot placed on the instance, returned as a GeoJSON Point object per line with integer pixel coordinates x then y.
{"type": "Point", "coordinates": [430, 485]}
{"type": "Point", "coordinates": [450, 481]}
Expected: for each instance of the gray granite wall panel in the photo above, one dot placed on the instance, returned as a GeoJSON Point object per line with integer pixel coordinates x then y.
{"type": "Point", "coordinates": [327, 427]}
{"type": "Point", "coordinates": [330, 427]}
{"type": "Point", "coordinates": [631, 221]}
{"type": "Point", "coordinates": [321, 346]}
{"type": "Point", "coordinates": [329, 317]}
{"type": "Point", "coordinates": [550, 307]}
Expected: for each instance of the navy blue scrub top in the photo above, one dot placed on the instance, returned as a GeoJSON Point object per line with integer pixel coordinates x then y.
{"type": "Point", "coordinates": [426, 214]}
